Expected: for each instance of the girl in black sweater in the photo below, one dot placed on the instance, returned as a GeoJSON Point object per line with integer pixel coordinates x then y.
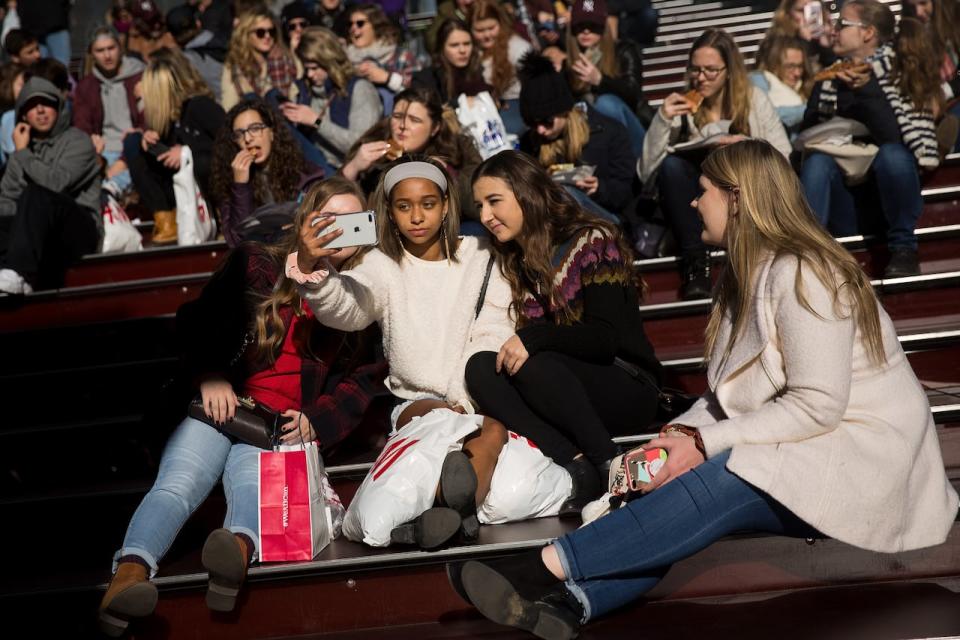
{"type": "Point", "coordinates": [580, 366]}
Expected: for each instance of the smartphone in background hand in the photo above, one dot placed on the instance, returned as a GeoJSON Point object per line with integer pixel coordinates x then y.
{"type": "Point", "coordinates": [359, 230]}
{"type": "Point", "coordinates": [157, 149]}
{"type": "Point", "coordinates": [281, 99]}
{"type": "Point", "coordinates": [813, 18]}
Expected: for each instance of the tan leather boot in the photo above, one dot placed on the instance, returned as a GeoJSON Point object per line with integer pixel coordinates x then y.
{"type": "Point", "coordinates": [164, 227]}
{"type": "Point", "coordinates": [130, 595]}
{"type": "Point", "coordinates": [225, 558]}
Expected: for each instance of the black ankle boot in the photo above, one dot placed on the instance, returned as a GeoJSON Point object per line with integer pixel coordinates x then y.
{"type": "Point", "coordinates": [429, 530]}
{"type": "Point", "coordinates": [695, 276]}
{"type": "Point", "coordinates": [458, 489]}
{"type": "Point", "coordinates": [587, 486]}
{"type": "Point", "coordinates": [520, 592]}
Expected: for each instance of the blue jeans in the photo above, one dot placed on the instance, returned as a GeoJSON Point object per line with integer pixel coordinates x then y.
{"type": "Point", "coordinates": [894, 184]}
{"type": "Point", "coordinates": [590, 206]}
{"type": "Point", "coordinates": [621, 556]}
{"type": "Point", "coordinates": [195, 458]}
{"type": "Point", "coordinates": [122, 180]}
{"type": "Point", "coordinates": [613, 107]}
{"type": "Point", "coordinates": [57, 45]}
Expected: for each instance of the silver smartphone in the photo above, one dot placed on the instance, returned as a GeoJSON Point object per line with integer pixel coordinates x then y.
{"type": "Point", "coordinates": [813, 17]}
{"type": "Point", "coordinates": [359, 230]}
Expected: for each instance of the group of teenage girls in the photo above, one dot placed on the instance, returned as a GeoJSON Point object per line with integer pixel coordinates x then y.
{"type": "Point", "coordinates": [557, 351]}
{"type": "Point", "coordinates": [813, 424]}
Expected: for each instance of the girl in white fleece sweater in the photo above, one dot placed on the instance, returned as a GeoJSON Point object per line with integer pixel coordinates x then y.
{"type": "Point", "coordinates": [436, 296]}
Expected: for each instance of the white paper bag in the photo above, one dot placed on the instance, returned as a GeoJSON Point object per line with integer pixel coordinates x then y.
{"type": "Point", "coordinates": [195, 223]}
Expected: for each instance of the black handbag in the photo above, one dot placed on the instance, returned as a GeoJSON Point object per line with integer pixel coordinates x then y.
{"type": "Point", "coordinates": [253, 423]}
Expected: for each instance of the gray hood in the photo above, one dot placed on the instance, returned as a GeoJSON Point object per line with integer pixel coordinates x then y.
{"type": "Point", "coordinates": [37, 86]}
{"type": "Point", "coordinates": [129, 67]}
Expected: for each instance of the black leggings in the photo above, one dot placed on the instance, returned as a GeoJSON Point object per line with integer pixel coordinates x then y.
{"type": "Point", "coordinates": [565, 405]}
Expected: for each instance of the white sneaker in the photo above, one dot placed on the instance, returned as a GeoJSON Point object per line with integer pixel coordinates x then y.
{"type": "Point", "coordinates": [13, 282]}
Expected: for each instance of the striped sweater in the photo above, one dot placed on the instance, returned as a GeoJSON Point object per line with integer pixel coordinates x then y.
{"type": "Point", "coordinates": [916, 125]}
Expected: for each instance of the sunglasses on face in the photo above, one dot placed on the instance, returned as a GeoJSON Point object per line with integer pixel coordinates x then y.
{"type": "Point", "coordinates": [582, 28]}
{"type": "Point", "coordinates": [546, 123]}
{"type": "Point", "coordinates": [296, 25]}
{"type": "Point", "coordinates": [254, 130]}
{"type": "Point", "coordinates": [359, 24]}
{"type": "Point", "coordinates": [263, 33]}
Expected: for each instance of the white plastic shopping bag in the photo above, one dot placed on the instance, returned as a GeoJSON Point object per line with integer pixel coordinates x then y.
{"type": "Point", "coordinates": [298, 509]}
{"type": "Point", "coordinates": [119, 234]}
{"type": "Point", "coordinates": [481, 120]}
{"type": "Point", "coordinates": [195, 223]}
{"type": "Point", "coordinates": [402, 483]}
{"type": "Point", "coordinates": [526, 484]}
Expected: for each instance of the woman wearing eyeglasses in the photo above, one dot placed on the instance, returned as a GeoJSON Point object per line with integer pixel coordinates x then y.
{"type": "Point", "coordinates": [333, 106]}
{"type": "Point", "coordinates": [903, 132]}
{"type": "Point", "coordinates": [257, 61]}
{"type": "Point", "coordinates": [730, 109]}
{"type": "Point", "coordinates": [375, 51]}
{"type": "Point", "coordinates": [606, 71]}
{"type": "Point", "coordinates": [179, 110]}
{"type": "Point", "coordinates": [255, 163]}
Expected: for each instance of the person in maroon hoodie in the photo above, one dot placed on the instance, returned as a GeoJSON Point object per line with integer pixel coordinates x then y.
{"type": "Point", "coordinates": [105, 104]}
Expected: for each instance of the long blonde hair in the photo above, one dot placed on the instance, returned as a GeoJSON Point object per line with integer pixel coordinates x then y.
{"type": "Point", "coordinates": [241, 57]}
{"type": "Point", "coordinates": [268, 327]}
{"type": "Point", "coordinates": [321, 46]}
{"type": "Point", "coordinates": [735, 104]}
{"type": "Point", "coordinates": [770, 215]}
{"type": "Point", "coordinates": [168, 81]}
{"type": "Point", "coordinates": [568, 146]}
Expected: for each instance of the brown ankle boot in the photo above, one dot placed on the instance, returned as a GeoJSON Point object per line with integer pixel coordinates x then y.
{"type": "Point", "coordinates": [225, 558]}
{"type": "Point", "coordinates": [164, 227]}
{"type": "Point", "coordinates": [130, 595]}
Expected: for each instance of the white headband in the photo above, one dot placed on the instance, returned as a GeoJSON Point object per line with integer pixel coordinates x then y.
{"type": "Point", "coordinates": [414, 169]}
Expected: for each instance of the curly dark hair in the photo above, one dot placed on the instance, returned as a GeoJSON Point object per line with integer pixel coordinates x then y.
{"type": "Point", "coordinates": [282, 170]}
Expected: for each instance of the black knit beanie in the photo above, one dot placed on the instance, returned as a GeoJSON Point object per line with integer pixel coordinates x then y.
{"type": "Point", "coordinates": [544, 93]}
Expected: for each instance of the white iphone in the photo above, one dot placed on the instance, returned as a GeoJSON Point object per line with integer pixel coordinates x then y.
{"type": "Point", "coordinates": [813, 17]}
{"type": "Point", "coordinates": [359, 230]}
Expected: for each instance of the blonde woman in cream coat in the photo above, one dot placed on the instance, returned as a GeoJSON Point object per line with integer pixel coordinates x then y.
{"type": "Point", "coordinates": [813, 424]}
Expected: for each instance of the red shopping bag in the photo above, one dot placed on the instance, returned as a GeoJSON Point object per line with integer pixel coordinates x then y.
{"type": "Point", "coordinates": [295, 521]}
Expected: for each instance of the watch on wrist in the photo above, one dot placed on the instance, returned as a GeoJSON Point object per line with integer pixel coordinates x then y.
{"type": "Point", "coordinates": [316, 123]}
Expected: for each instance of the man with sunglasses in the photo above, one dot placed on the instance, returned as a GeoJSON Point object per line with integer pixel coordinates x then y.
{"type": "Point", "coordinates": [294, 18]}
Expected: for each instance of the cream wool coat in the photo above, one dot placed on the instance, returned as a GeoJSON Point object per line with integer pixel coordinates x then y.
{"type": "Point", "coordinates": [848, 447]}
{"type": "Point", "coordinates": [425, 310]}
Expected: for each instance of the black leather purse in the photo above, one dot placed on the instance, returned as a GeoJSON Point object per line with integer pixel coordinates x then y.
{"type": "Point", "coordinates": [253, 423]}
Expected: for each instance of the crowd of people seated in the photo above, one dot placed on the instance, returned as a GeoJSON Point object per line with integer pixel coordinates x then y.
{"type": "Point", "coordinates": [333, 71]}
{"type": "Point", "coordinates": [502, 282]}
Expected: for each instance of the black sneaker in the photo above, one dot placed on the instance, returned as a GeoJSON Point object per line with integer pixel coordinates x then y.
{"type": "Point", "coordinates": [695, 282]}
{"type": "Point", "coordinates": [903, 263]}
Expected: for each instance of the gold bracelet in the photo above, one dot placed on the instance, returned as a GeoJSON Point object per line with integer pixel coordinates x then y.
{"type": "Point", "coordinates": [691, 432]}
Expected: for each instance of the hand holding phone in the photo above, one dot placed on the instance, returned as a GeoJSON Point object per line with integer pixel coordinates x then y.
{"type": "Point", "coordinates": [641, 465]}
{"type": "Point", "coordinates": [358, 230]}
{"type": "Point", "coordinates": [157, 149]}
{"type": "Point", "coordinates": [813, 18]}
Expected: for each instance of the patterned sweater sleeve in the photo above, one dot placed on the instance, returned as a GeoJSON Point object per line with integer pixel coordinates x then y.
{"type": "Point", "coordinates": [605, 294]}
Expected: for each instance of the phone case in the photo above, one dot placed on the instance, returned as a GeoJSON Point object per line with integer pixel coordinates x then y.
{"type": "Point", "coordinates": [359, 230]}
{"type": "Point", "coordinates": [813, 15]}
{"type": "Point", "coordinates": [642, 465]}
